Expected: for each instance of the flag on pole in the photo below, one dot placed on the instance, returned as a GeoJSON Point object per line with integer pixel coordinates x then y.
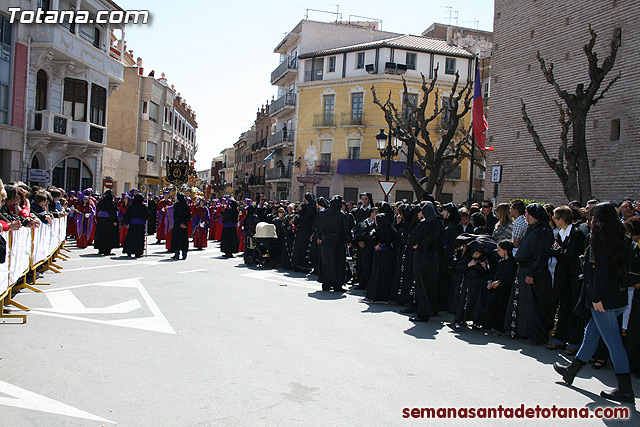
{"type": "Point", "coordinates": [479, 120]}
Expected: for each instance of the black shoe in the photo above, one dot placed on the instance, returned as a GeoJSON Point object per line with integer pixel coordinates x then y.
{"type": "Point", "coordinates": [326, 288]}
{"type": "Point", "coordinates": [175, 257]}
{"type": "Point", "coordinates": [138, 256]}
{"type": "Point", "coordinates": [360, 288]}
{"type": "Point", "coordinates": [457, 326]}
{"type": "Point", "coordinates": [408, 310]}
{"type": "Point", "coordinates": [419, 318]}
{"type": "Point", "coordinates": [184, 257]}
{"type": "Point", "coordinates": [624, 392]}
{"type": "Point", "coordinates": [569, 372]}
{"type": "Point", "coordinates": [339, 289]}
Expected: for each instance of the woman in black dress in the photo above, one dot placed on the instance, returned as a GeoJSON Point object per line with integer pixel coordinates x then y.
{"type": "Point", "coordinates": [107, 233]}
{"type": "Point", "coordinates": [384, 258]}
{"type": "Point", "coordinates": [426, 239]}
{"type": "Point", "coordinates": [135, 218]}
{"type": "Point", "coordinates": [403, 278]}
{"type": "Point", "coordinates": [304, 222]}
{"type": "Point", "coordinates": [531, 316]}
{"type": "Point", "coordinates": [180, 233]}
{"type": "Point", "coordinates": [229, 240]}
{"type": "Point", "coordinates": [503, 275]}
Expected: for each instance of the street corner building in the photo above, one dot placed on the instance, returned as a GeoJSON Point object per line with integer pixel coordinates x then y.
{"type": "Point", "coordinates": [612, 129]}
{"type": "Point", "coordinates": [325, 119]}
{"type": "Point", "coordinates": [55, 81]}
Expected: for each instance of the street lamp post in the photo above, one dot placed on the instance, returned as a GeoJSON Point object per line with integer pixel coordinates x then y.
{"type": "Point", "coordinates": [389, 146]}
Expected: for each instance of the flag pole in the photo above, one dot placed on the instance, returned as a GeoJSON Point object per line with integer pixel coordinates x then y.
{"type": "Point", "coordinates": [473, 146]}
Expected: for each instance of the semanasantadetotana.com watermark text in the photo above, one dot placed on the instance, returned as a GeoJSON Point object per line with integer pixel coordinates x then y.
{"type": "Point", "coordinates": [41, 16]}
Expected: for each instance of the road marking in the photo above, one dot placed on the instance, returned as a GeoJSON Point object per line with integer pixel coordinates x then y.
{"type": "Point", "coordinates": [66, 302]}
{"type": "Point", "coordinates": [192, 271]}
{"type": "Point", "coordinates": [271, 277]}
{"type": "Point", "coordinates": [124, 264]}
{"type": "Point", "coordinates": [64, 305]}
{"type": "Point", "coordinates": [21, 398]}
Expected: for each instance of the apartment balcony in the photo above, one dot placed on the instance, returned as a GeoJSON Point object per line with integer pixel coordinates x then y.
{"type": "Point", "coordinates": [280, 137]}
{"type": "Point", "coordinates": [283, 105]}
{"type": "Point", "coordinates": [256, 180]}
{"type": "Point", "coordinates": [373, 167]}
{"type": "Point", "coordinates": [324, 121]}
{"type": "Point", "coordinates": [313, 76]}
{"type": "Point", "coordinates": [51, 124]}
{"type": "Point", "coordinates": [86, 131]}
{"type": "Point", "coordinates": [277, 174]}
{"type": "Point", "coordinates": [65, 51]}
{"type": "Point", "coordinates": [287, 67]}
{"type": "Point", "coordinates": [324, 166]}
{"type": "Point", "coordinates": [148, 168]}
{"type": "Point", "coordinates": [352, 119]}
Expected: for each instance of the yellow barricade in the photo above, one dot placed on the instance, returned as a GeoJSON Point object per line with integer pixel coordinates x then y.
{"type": "Point", "coordinates": [28, 249]}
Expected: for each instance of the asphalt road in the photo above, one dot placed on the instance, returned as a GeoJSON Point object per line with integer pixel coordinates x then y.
{"type": "Point", "coordinates": [208, 341]}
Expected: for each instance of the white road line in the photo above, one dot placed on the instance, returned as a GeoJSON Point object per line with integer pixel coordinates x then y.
{"type": "Point", "coordinates": [110, 266]}
{"type": "Point", "coordinates": [192, 271]}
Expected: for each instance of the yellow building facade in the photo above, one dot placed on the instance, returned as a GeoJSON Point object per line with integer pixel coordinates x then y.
{"type": "Point", "coordinates": [337, 127]}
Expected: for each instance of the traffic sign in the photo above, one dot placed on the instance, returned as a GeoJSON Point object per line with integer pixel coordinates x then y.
{"type": "Point", "coordinates": [108, 183]}
{"type": "Point", "coordinates": [386, 186]}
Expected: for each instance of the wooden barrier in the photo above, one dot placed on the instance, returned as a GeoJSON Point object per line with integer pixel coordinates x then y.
{"type": "Point", "coordinates": [28, 249]}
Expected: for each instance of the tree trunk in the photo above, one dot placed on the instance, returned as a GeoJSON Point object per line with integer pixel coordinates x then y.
{"type": "Point", "coordinates": [582, 157]}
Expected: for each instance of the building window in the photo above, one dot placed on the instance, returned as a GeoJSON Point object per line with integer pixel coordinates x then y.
{"type": "Point", "coordinates": [351, 194]}
{"type": "Point", "coordinates": [97, 37]}
{"type": "Point", "coordinates": [151, 151]}
{"type": "Point", "coordinates": [4, 103]}
{"type": "Point", "coordinates": [42, 83]}
{"type": "Point", "coordinates": [357, 100]}
{"type": "Point", "coordinates": [360, 63]}
{"type": "Point", "coordinates": [615, 130]}
{"type": "Point", "coordinates": [127, 187]}
{"type": "Point", "coordinates": [486, 90]}
{"type": "Point", "coordinates": [450, 66]}
{"type": "Point", "coordinates": [329, 104]}
{"type": "Point", "coordinates": [354, 153]}
{"type": "Point", "coordinates": [154, 112]}
{"type": "Point", "coordinates": [446, 112]}
{"type": "Point", "coordinates": [323, 192]}
{"type": "Point", "coordinates": [144, 107]}
{"type": "Point", "coordinates": [413, 100]}
{"type": "Point", "coordinates": [332, 64]}
{"type": "Point", "coordinates": [5, 68]}
{"type": "Point", "coordinates": [98, 105]}
{"type": "Point", "coordinates": [411, 61]}
{"type": "Point", "coordinates": [75, 99]}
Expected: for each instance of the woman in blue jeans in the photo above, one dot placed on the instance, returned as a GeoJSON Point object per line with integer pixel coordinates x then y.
{"type": "Point", "coordinates": [606, 279]}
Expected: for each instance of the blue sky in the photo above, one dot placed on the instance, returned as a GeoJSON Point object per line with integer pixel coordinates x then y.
{"type": "Point", "coordinates": [219, 54]}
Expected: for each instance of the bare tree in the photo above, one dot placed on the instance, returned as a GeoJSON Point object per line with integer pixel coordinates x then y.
{"type": "Point", "coordinates": [436, 161]}
{"type": "Point", "coordinates": [572, 164]}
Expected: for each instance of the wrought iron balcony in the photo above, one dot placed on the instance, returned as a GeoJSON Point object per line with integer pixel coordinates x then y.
{"type": "Point", "coordinates": [312, 76]}
{"type": "Point", "coordinates": [286, 100]}
{"type": "Point", "coordinates": [289, 64]}
{"type": "Point", "coordinates": [277, 173]}
{"type": "Point", "coordinates": [323, 166]}
{"type": "Point", "coordinates": [323, 120]}
{"type": "Point", "coordinates": [48, 121]}
{"type": "Point", "coordinates": [280, 137]}
{"type": "Point", "coordinates": [352, 119]}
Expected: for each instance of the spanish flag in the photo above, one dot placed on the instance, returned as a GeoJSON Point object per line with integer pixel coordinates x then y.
{"type": "Point", "coordinates": [479, 120]}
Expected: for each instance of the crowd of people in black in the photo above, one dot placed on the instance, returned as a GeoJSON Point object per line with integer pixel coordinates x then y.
{"type": "Point", "coordinates": [566, 277]}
